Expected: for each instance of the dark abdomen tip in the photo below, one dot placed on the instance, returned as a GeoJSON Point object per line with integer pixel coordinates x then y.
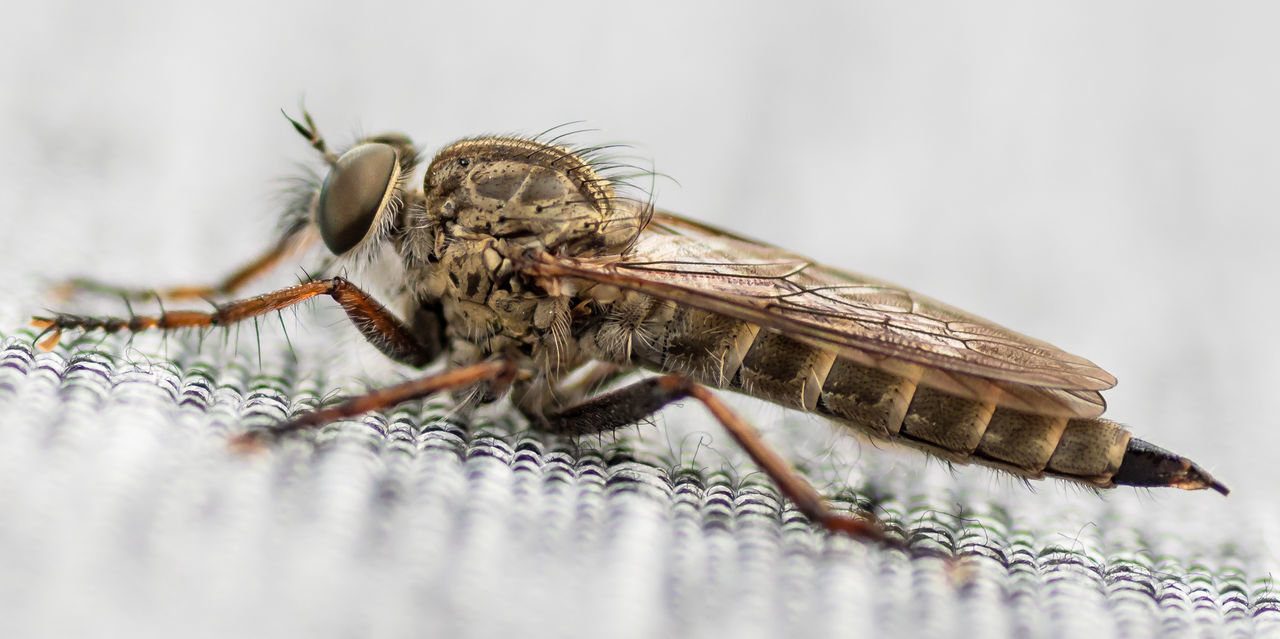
{"type": "Point", "coordinates": [1146, 464]}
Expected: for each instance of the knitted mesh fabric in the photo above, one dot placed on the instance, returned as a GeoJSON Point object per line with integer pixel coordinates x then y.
{"type": "Point", "coordinates": [125, 511]}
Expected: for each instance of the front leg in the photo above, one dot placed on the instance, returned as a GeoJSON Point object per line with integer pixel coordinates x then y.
{"type": "Point", "coordinates": [638, 401]}
{"type": "Point", "coordinates": [291, 243]}
{"type": "Point", "coordinates": [377, 324]}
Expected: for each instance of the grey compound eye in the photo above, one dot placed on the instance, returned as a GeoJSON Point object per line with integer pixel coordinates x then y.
{"type": "Point", "coordinates": [357, 188]}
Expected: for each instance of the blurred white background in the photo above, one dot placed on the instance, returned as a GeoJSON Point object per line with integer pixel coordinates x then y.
{"type": "Point", "coordinates": [1099, 175]}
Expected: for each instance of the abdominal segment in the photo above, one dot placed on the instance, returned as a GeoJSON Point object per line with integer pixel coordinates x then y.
{"type": "Point", "coordinates": [881, 398]}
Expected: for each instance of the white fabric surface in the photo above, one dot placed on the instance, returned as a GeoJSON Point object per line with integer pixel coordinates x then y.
{"type": "Point", "coordinates": [1099, 176]}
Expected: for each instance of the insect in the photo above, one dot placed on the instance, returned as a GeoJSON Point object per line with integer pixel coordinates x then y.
{"type": "Point", "coordinates": [532, 272]}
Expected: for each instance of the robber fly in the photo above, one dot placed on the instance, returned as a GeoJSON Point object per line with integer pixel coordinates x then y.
{"type": "Point", "coordinates": [527, 267]}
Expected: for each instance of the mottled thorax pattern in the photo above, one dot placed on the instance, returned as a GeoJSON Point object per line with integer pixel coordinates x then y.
{"type": "Point", "coordinates": [489, 203]}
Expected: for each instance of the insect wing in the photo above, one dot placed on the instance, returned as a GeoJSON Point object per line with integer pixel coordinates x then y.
{"type": "Point", "coordinates": [868, 320]}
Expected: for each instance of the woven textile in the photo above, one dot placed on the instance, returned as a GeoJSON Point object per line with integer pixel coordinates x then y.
{"type": "Point", "coordinates": [125, 512]}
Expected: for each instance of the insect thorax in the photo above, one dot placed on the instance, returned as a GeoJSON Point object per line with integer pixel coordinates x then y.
{"type": "Point", "coordinates": [488, 204]}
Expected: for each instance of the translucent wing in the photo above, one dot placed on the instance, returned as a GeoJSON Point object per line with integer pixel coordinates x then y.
{"type": "Point", "coordinates": [869, 320]}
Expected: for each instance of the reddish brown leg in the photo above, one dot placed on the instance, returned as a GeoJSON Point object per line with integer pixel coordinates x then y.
{"type": "Point", "coordinates": [378, 325]}
{"type": "Point", "coordinates": [287, 246]}
{"type": "Point", "coordinates": [791, 483]}
{"type": "Point", "coordinates": [499, 372]}
{"type": "Point", "coordinates": [633, 403]}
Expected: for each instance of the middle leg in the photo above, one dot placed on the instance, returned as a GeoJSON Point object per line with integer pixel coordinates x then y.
{"type": "Point", "coordinates": [638, 401]}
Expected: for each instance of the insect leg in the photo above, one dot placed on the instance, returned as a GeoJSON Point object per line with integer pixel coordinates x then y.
{"type": "Point", "coordinates": [633, 403]}
{"type": "Point", "coordinates": [501, 372]}
{"type": "Point", "coordinates": [535, 399]}
{"type": "Point", "coordinates": [596, 375]}
{"type": "Point", "coordinates": [289, 244]}
{"type": "Point", "coordinates": [377, 324]}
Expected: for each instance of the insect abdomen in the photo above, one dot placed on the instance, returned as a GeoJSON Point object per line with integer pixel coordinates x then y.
{"type": "Point", "coordinates": [959, 429]}
{"type": "Point", "coordinates": [731, 354]}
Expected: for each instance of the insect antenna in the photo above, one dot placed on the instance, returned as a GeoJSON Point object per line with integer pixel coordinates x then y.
{"type": "Point", "coordinates": [312, 135]}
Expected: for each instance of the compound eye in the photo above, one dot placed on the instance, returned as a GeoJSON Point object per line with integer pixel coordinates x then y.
{"type": "Point", "coordinates": [357, 188]}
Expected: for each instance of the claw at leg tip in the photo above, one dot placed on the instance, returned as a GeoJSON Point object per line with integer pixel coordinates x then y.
{"type": "Point", "coordinates": [49, 342]}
